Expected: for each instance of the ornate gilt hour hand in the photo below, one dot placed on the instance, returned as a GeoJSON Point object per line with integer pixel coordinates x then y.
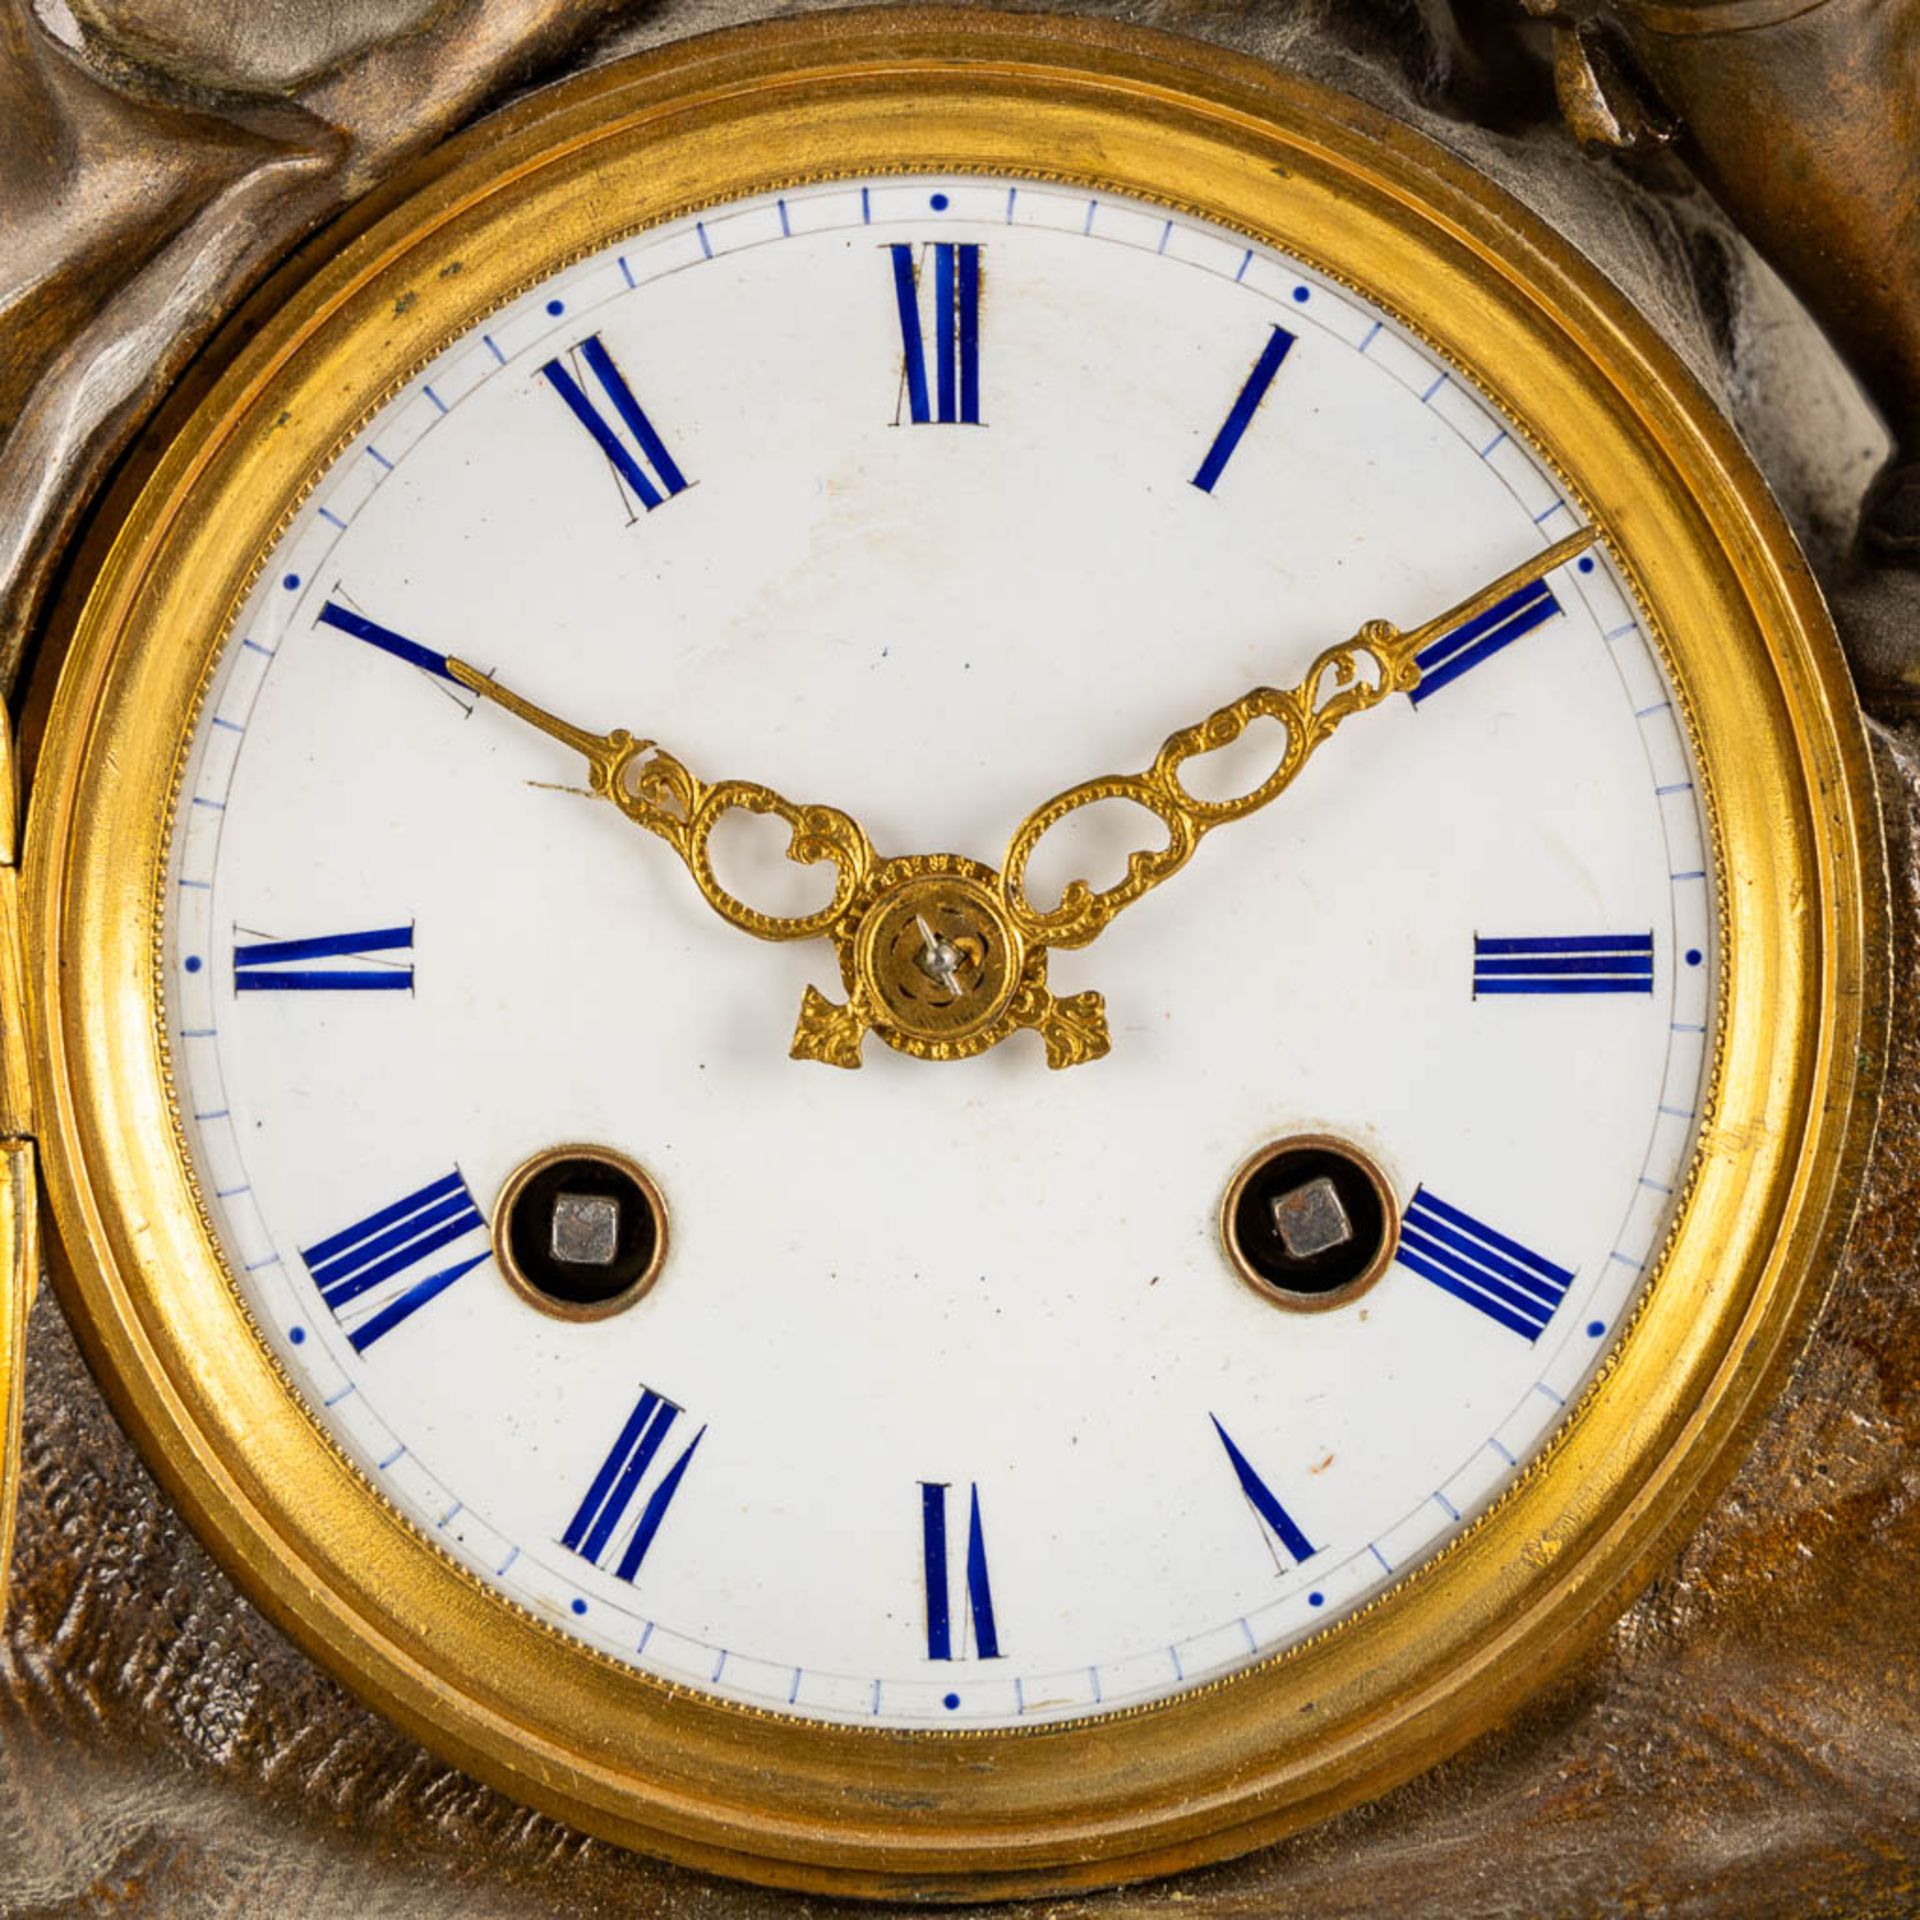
{"type": "Point", "coordinates": [1345, 679]}
{"type": "Point", "coordinates": [658, 792]}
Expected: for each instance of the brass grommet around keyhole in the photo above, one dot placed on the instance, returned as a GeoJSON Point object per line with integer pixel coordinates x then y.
{"type": "Point", "coordinates": [580, 1231]}
{"type": "Point", "coordinates": [1310, 1222]}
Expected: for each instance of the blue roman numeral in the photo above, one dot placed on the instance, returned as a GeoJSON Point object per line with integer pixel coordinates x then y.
{"type": "Point", "coordinates": [933, 1540]}
{"type": "Point", "coordinates": [1279, 1525]}
{"type": "Point", "coordinates": [282, 966]}
{"type": "Point", "coordinates": [1504, 1280]}
{"type": "Point", "coordinates": [602, 1516]}
{"type": "Point", "coordinates": [650, 488]}
{"type": "Point", "coordinates": [955, 394]}
{"type": "Point", "coordinates": [345, 620]}
{"type": "Point", "coordinates": [1240, 416]}
{"type": "Point", "coordinates": [1443, 661]}
{"type": "Point", "coordinates": [1566, 963]}
{"type": "Point", "coordinates": [370, 1274]}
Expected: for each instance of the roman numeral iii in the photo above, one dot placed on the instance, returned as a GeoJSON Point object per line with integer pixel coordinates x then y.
{"type": "Point", "coordinates": [384, 1269]}
{"type": "Point", "coordinates": [1564, 963]}
{"type": "Point", "coordinates": [325, 963]}
{"type": "Point", "coordinates": [640, 458]}
{"type": "Point", "coordinates": [938, 1553]}
{"type": "Point", "coordinates": [1509, 1283]}
{"type": "Point", "coordinates": [615, 1525]}
{"type": "Point", "coordinates": [954, 395]}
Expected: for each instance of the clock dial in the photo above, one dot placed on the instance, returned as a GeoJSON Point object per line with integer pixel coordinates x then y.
{"type": "Point", "coordinates": [934, 1394]}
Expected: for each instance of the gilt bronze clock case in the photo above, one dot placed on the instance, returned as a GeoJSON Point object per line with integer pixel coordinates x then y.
{"type": "Point", "coordinates": [1800, 920]}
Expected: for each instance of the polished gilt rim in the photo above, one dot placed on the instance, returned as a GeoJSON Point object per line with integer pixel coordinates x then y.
{"type": "Point", "coordinates": [1457, 1644]}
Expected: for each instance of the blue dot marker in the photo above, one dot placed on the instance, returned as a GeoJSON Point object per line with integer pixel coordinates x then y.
{"type": "Point", "coordinates": [952, 1700]}
{"type": "Point", "coordinates": [579, 1606]}
{"type": "Point", "coordinates": [1316, 1599]}
{"type": "Point", "coordinates": [298, 1335]}
{"type": "Point", "coordinates": [1694, 956]}
{"type": "Point", "coordinates": [1586, 563]}
{"type": "Point", "coordinates": [556, 307]}
{"type": "Point", "coordinates": [291, 582]}
{"type": "Point", "coordinates": [194, 963]}
{"type": "Point", "coordinates": [940, 204]}
{"type": "Point", "coordinates": [1302, 295]}
{"type": "Point", "coordinates": [1595, 1328]}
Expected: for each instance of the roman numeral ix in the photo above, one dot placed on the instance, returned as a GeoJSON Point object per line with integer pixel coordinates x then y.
{"type": "Point", "coordinates": [299, 966]}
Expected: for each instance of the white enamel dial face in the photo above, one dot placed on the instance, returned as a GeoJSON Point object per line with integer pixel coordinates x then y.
{"type": "Point", "coordinates": [927, 498]}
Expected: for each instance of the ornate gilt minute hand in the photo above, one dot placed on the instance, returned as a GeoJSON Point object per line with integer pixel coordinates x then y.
{"type": "Point", "coordinates": [941, 956]}
{"type": "Point", "coordinates": [1334, 687]}
{"type": "Point", "coordinates": [658, 792]}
